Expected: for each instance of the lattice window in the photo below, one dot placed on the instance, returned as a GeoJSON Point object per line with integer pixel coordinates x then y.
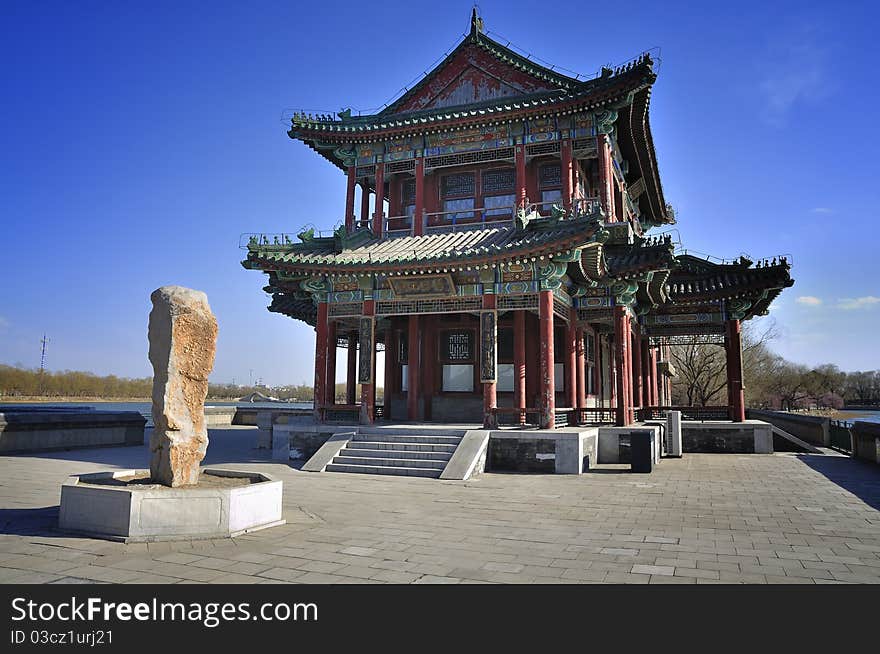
{"type": "Point", "coordinates": [408, 192]}
{"type": "Point", "coordinates": [704, 339]}
{"type": "Point", "coordinates": [399, 166]}
{"type": "Point", "coordinates": [365, 171]}
{"type": "Point", "coordinates": [402, 307]}
{"type": "Point", "coordinates": [517, 302]}
{"type": "Point", "coordinates": [346, 309]}
{"type": "Point", "coordinates": [458, 185]}
{"type": "Point", "coordinates": [585, 144]}
{"type": "Point", "coordinates": [498, 181]}
{"type": "Point", "coordinates": [542, 148]}
{"type": "Point", "coordinates": [550, 175]}
{"type": "Point", "coordinates": [463, 158]}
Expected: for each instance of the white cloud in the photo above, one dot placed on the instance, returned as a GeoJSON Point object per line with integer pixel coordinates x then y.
{"type": "Point", "coordinates": [865, 302]}
{"type": "Point", "coordinates": [822, 210]}
{"type": "Point", "coordinates": [809, 300]}
{"type": "Point", "coordinates": [794, 69]}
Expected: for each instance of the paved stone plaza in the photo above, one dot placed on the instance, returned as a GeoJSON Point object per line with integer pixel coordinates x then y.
{"type": "Point", "coordinates": [706, 518]}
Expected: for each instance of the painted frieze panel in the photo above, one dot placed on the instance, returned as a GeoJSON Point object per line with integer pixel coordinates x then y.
{"type": "Point", "coordinates": [367, 350]}
{"type": "Point", "coordinates": [541, 130]}
{"type": "Point", "coordinates": [345, 284]}
{"type": "Point", "coordinates": [422, 286]}
{"type": "Point", "coordinates": [488, 346]}
{"type": "Point", "coordinates": [583, 126]}
{"type": "Point", "coordinates": [517, 272]}
{"type": "Point", "coordinates": [594, 302]}
{"type": "Point", "coordinates": [400, 149]}
{"type": "Point", "coordinates": [685, 318]}
{"type": "Point", "coordinates": [516, 288]}
{"type": "Point", "coordinates": [485, 137]}
{"type": "Point", "coordinates": [346, 296]}
{"type": "Point", "coordinates": [462, 277]}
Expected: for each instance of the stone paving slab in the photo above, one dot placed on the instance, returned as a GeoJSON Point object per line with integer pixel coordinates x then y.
{"type": "Point", "coordinates": [704, 518]}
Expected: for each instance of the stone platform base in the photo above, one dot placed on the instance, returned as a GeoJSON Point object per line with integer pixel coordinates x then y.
{"type": "Point", "coordinates": [130, 514]}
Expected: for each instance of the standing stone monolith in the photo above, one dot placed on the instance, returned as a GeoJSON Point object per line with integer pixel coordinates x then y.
{"type": "Point", "coordinates": [183, 341]}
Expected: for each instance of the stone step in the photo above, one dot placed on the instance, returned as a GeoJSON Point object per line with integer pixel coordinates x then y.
{"type": "Point", "coordinates": [409, 447]}
{"type": "Point", "coordinates": [395, 454]}
{"type": "Point", "coordinates": [385, 470]}
{"type": "Point", "coordinates": [393, 463]}
{"type": "Point", "coordinates": [407, 431]}
{"type": "Point", "coordinates": [408, 438]}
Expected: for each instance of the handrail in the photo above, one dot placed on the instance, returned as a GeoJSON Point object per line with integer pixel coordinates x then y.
{"type": "Point", "coordinates": [280, 239]}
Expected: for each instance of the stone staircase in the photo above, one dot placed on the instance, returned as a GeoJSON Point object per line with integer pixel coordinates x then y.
{"type": "Point", "coordinates": [413, 453]}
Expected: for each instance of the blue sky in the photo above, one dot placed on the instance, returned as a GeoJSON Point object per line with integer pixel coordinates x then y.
{"type": "Point", "coordinates": [140, 139]}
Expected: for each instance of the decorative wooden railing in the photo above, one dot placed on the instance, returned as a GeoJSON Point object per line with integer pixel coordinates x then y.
{"type": "Point", "coordinates": [687, 412]}
{"type": "Point", "coordinates": [446, 221]}
{"type": "Point", "coordinates": [563, 415]}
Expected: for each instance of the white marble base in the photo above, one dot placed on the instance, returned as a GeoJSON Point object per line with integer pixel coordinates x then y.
{"type": "Point", "coordinates": [132, 514]}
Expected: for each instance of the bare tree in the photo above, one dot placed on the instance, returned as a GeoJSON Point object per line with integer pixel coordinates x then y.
{"type": "Point", "coordinates": [702, 368]}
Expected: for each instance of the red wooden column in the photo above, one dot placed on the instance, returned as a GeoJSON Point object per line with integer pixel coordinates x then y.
{"type": "Point", "coordinates": [546, 381]}
{"type": "Point", "coordinates": [367, 362]}
{"type": "Point", "coordinates": [637, 367]}
{"type": "Point", "coordinates": [655, 374]}
{"type": "Point", "coordinates": [418, 227]}
{"type": "Point", "coordinates": [533, 357]}
{"type": "Point", "coordinates": [734, 371]}
{"type": "Point", "coordinates": [488, 345]}
{"type": "Point", "coordinates": [520, 154]}
{"type": "Point", "coordinates": [393, 196]}
{"type": "Point", "coordinates": [519, 363]}
{"type": "Point", "coordinates": [647, 373]}
{"type": "Point", "coordinates": [428, 365]}
{"type": "Point", "coordinates": [571, 360]}
{"type": "Point", "coordinates": [351, 374]}
{"type": "Point", "coordinates": [581, 371]}
{"type": "Point", "coordinates": [349, 199]}
{"type": "Point", "coordinates": [567, 170]}
{"type": "Point", "coordinates": [413, 346]}
{"type": "Point", "coordinates": [331, 363]}
{"type": "Point", "coordinates": [606, 177]}
{"type": "Point", "coordinates": [365, 203]}
{"type": "Point", "coordinates": [621, 354]}
{"type": "Point", "coordinates": [388, 384]}
{"type": "Point", "coordinates": [379, 208]}
{"type": "Point", "coordinates": [629, 372]}
{"type": "Point", "coordinates": [320, 392]}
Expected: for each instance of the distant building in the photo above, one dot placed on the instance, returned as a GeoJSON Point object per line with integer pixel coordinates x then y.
{"type": "Point", "coordinates": [507, 267]}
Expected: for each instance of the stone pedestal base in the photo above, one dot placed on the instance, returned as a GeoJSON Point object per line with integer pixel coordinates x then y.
{"type": "Point", "coordinates": [125, 512]}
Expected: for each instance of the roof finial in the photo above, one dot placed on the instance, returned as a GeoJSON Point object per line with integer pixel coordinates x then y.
{"type": "Point", "coordinates": [476, 23]}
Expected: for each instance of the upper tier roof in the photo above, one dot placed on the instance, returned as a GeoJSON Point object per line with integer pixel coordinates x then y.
{"type": "Point", "coordinates": [363, 252]}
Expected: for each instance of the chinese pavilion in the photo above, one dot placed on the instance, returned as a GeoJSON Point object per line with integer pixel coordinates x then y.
{"type": "Point", "coordinates": [506, 265]}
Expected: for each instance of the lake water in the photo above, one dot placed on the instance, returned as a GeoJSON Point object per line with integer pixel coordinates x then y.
{"type": "Point", "coordinates": [865, 416]}
{"type": "Point", "coordinates": [145, 408]}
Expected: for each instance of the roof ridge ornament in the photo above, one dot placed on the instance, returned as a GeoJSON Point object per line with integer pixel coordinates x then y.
{"type": "Point", "coordinates": [476, 25]}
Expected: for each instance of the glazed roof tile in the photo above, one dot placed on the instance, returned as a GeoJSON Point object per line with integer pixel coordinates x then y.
{"type": "Point", "coordinates": [502, 242]}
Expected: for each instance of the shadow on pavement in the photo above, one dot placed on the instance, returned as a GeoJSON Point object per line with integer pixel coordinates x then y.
{"type": "Point", "coordinates": [30, 522]}
{"type": "Point", "coordinates": [860, 478]}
